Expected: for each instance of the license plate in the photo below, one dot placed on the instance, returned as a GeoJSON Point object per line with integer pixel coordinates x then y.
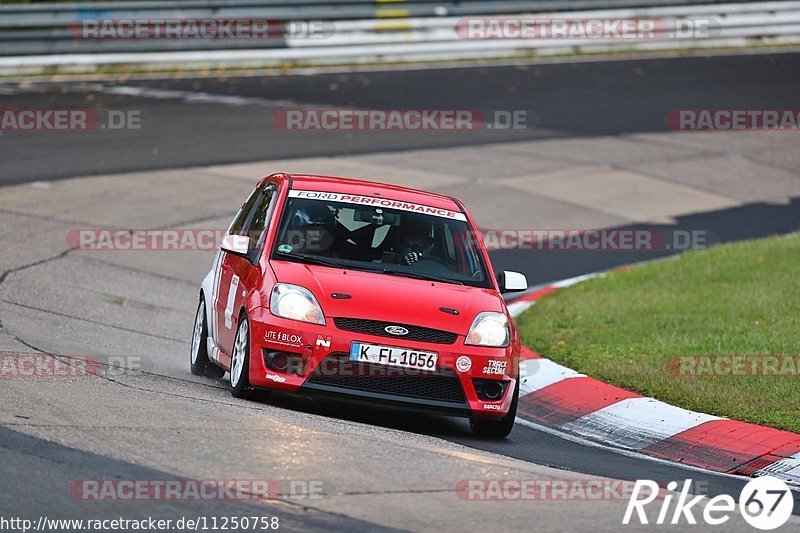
{"type": "Point", "coordinates": [393, 356]}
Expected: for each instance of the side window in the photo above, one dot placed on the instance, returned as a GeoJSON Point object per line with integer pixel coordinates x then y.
{"type": "Point", "coordinates": [238, 225]}
{"type": "Point", "coordinates": [257, 223]}
{"type": "Point", "coordinates": [252, 219]}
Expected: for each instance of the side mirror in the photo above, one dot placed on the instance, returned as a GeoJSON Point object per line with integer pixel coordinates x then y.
{"type": "Point", "coordinates": [236, 244]}
{"type": "Point", "coordinates": [512, 281]}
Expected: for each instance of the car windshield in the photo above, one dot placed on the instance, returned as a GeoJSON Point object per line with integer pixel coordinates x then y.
{"type": "Point", "coordinates": [399, 242]}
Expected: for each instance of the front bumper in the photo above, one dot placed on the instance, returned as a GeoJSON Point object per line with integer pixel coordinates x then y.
{"type": "Point", "coordinates": [318, 363]}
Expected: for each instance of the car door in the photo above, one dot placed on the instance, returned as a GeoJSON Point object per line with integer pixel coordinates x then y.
{"type": "Point", "coordinates": [238, 273]}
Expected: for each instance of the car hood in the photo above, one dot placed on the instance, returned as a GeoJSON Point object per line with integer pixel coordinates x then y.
{"type": "Point", "coordinates": [389, 298]}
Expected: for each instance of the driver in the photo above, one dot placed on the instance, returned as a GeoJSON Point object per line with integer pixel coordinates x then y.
{"type": "Point", "coordinates": [415, 240]}
{"type": "Point", "coordinates": [316, 224]}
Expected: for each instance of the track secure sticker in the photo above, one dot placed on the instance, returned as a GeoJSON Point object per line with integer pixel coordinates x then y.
{"type": "Point", "coordinates": [463, 364]}
{"type": "Point", "coordinates": [495, 367]}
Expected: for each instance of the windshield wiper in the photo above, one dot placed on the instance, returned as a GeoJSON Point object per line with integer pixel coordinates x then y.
{"type": "Point", "coordinates": [312, 259]}
{"type": "Point", "coordinates": [417, 275]}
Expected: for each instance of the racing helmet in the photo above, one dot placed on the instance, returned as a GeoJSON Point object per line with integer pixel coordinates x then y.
{"type": "Point", "coordinates": [314, 224]}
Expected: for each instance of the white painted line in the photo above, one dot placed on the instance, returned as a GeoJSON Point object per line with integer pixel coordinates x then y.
{"type": "Point", "coordinates": [620, 451]}
{"type": "Point", "coordinates": [569, 282]}
{"type": "Point", "coordinates": [636, 423]}
{"type": "Point", "coordinates": [786, 469]}
{"type": "Point", "coordinates": [516, 308]}
{"type": "Point", "coordinates": [520, 305]}
{"type": "Point", "coordinates": [191, 97]}
{"type": "Point", "coordinates": [536, 374]}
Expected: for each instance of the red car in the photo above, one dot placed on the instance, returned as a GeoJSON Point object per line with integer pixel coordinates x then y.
{"type": "Point", "coordinates": [366, 291]}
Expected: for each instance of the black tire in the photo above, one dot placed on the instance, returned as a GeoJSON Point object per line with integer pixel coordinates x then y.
{"type": "Point", "coordinates": [198, 351]}
{"type": "Point", "coordinates": [199, 362]}
{"type": "Point", "coordinates": [497, 429]}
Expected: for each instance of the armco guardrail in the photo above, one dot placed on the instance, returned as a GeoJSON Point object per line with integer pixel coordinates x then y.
{"type": "Point", "coordinates": [51, 36]}
{"type": "Point", "coordinates": [46, 28]}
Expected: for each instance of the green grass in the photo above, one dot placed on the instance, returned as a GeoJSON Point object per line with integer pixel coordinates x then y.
{"type": "Point", "coordinates": [627, 327]}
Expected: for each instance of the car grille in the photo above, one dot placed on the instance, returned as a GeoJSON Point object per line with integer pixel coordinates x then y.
{"type": "Point", "coordinates": [338, 371]}
{"type": "Point", "coordinates": [376, 327]}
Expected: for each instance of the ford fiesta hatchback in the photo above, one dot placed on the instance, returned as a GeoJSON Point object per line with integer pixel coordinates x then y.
{"type": "Point", "coordinates": [364, 291]}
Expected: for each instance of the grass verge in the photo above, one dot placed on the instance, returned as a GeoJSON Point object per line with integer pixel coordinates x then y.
{"type": "Point", "coordinates": [670, 330]}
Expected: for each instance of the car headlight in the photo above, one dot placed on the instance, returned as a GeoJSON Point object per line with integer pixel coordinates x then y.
{"type": "Point", "coordinates": [489, 329]}
{"type": "Point", "coordinates": [295, 303]}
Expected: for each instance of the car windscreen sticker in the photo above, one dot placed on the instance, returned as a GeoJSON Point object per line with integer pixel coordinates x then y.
{"type": "Point", "coordinates": [378, 202]}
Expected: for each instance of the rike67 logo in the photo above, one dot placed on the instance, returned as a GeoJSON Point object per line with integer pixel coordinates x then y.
{"type": "Point", "coordinates": [766, 503]}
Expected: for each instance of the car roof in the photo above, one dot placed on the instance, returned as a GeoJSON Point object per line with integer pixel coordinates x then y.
{"type": "Point", "coordinates": [313, 182]}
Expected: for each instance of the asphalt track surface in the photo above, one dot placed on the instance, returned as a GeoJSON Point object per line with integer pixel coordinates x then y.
{"type": "Point", "coordinates": [562, 100]}
{"type": "Point", "coordinates": [50, 451]}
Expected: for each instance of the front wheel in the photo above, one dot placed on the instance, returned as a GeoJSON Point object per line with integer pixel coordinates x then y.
{"type": "Point", "coordinates": [497, 429]}
{"type": "Point", "coordinates": [240, 360]}
{"type": "Point", "coordinates": [240, 365]}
